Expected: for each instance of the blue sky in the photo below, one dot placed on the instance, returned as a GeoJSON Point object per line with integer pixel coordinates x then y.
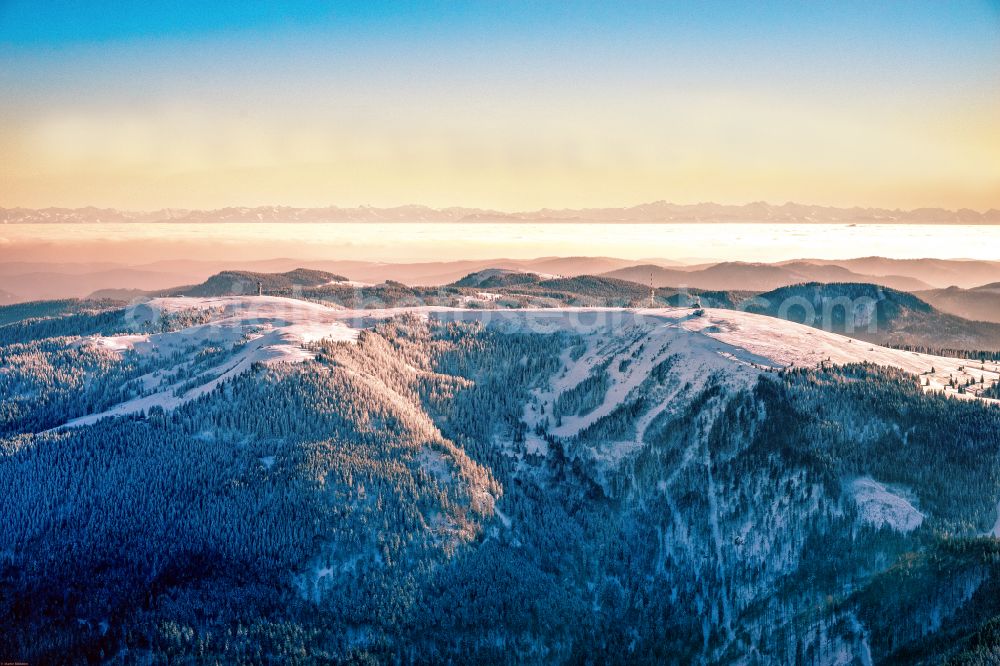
{"type": "Point", "coordinates": [473, 102]}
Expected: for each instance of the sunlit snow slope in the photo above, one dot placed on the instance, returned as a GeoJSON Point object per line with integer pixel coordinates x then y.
{"type": "Point", "coordinates": [239, 332]}
{"type": "Point", "coordinates": [234, 333]}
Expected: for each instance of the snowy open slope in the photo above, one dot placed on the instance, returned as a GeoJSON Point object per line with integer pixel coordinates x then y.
{"type": "Point", "coordinates": [745, 339]}
{"type": "Point", "coordinates": [729, 345]}
{"type": "Point", "coordinates": [787, 343]}
{"type": "Point", "coordinates": [879, 505]}
{"type": "Point", "coordinates": [241, 331]}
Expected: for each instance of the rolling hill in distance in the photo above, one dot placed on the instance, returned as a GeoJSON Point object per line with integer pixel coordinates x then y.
{"type": "Point", "coordinates": [981, 303]}
{"type": "Point", "coordinates": [866, 310]}
{"type": "Point", "coordinates": [762, 277]}
{"type": "Point", "coordinates": [40, 280]}
{"type": "Point", "coordinates": [937, 272]}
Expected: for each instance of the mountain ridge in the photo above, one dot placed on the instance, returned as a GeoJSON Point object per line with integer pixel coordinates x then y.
{"type": "Point", "coordinates": [659, 485]}
{"type": "Point", "coordinates": [34, 280]}
{"type": "Point", "coordinates": [652, 212]}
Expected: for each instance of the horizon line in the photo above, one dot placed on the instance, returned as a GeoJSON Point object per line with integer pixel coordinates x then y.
{"type": "Point", "coordinates": [491, 210]}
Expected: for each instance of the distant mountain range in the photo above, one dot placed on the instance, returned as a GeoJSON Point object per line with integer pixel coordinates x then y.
{"type": "Point", "coordinates": [655, 212]}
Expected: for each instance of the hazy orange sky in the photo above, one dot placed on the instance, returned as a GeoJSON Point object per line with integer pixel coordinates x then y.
{"type": "Point", "coordinates": [513, 106]}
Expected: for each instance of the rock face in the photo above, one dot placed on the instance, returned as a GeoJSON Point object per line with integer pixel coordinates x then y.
{"type": "Point", "coordinates": [261, 477]}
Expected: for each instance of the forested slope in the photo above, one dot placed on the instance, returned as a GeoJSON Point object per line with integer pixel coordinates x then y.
{"type": "Point", "coordinates": [881, 315]}
{"type": "Point", "coordinates": [541, 486]}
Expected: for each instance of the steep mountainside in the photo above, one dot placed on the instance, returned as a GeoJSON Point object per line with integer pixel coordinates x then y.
{"type": "Point", "coordinates": [265, 479]}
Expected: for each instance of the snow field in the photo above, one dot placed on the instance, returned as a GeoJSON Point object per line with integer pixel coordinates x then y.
{"type": "Point", "coordinates": [730, 345]}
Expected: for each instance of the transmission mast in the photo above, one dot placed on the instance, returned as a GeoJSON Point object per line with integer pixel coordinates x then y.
{"type": "Point", "coordinates": [652, 292]}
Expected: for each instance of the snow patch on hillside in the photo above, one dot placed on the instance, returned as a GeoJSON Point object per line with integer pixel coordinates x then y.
{"type": "Point", "coordinates": [995, 532]}
{"type": "Point", "coordinates": [480, 297]}
{"type": "Point", "coordinates": [349, 283]}
{"type": "Point", "coordinates": [879, 505]}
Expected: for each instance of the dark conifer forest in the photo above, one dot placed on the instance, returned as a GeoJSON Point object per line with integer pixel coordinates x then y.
{"type": "Point", "coordinates": [443, 490]}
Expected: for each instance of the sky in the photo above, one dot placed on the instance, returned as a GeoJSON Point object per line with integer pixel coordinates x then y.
{"type": "Point", "coordinates": [507, 105]}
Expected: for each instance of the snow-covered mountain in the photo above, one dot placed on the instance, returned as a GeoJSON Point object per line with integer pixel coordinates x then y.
{"type": "Point", "coordinates": [265, 476]}
{"type": "Point", "coordinates": [723, 343]}
{"type": "Point", "coordinates": [657, 211]}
